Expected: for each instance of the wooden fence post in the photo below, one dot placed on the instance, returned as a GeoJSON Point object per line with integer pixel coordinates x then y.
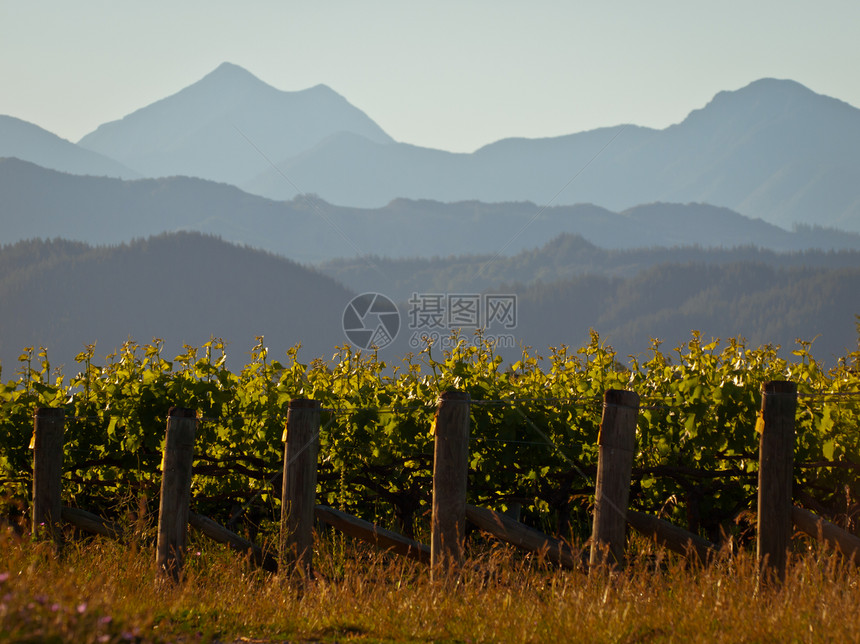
{"type": "Point", "coordinates": [775, 474]}
{"type": "Point", "coordinates": [298, 493]}
{"type": "Point", "coordinates": [617, 442]}
{"type": "Point", "coordinates": [450, 474]}
{"type": "Point", "coordinates": [48, 425]}
{"type": "Point", "coordinates": [175, 490]}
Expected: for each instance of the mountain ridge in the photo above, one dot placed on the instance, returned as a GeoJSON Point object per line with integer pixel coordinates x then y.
{"type": "Point", "coordinates": [182, 287]}
{"type": "Point", "coordinates": [773, 150]}
{"type": "Point", "coordinates": [20, 139]}
{"type": "Point", "coordinates": [45, 203]}
{"type": "Point", "coordinates": [188, 287]}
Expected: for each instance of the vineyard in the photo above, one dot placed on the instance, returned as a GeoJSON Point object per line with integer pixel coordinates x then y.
{"type": "Point", "coordinates": [534, 427]}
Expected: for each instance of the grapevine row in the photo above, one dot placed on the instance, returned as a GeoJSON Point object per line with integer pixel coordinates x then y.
{"type": "Point", "coordinates": [534, 429]}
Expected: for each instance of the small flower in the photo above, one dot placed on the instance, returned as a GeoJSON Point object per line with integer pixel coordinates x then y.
{"type": "Point", "coordinates": [82, 608]}
{"type": "Point", "coordinates": [55, 607]}
{"type": "Point", "coordinates": [4, 577]}
{"type": "Point", "coordinates": [105, 620]}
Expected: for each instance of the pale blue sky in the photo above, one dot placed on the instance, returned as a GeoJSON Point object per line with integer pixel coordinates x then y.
{"type": "Point", "coordinates": [450, 75]}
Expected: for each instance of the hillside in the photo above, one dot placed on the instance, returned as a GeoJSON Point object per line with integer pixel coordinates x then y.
{"type": "Point", "coordinates": [30, 142]}
{"type": "Point", "coordinates": [763, 304]}
{"type": "Point", "coordinates": [565, 257]}
{"type": "Point", "coordinates": [185, 287]}
{"type": "Point", "coordinates": [43, 203]}
{"type": "Point", "coordinates": [182, 287]}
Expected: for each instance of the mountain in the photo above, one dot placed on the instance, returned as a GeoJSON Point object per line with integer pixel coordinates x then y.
{"type": "Point", "coordinates": [564, 258]}
{"type": "Point", "coordinates": [182, 288]}
{"type": "Point", "coordinates": [226, 126]}
{"type": "Point", "coordinates": [31, 143]}
{"type": "Point", "coordinates": [40, 203]}
{"type": "Point", "coordinates": [350, 169]}
{"type": "Point", "coordinates": [772, 150]}
{"type": "Point", "coordinates": [186, 287]}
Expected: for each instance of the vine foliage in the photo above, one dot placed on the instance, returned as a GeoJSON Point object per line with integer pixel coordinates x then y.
{"type": "Point", "coordinates": [534, 426]}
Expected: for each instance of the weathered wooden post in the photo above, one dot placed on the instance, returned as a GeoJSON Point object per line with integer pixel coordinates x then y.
{"type": "Point", "coordinates": [450, 474]}
{"type": "Point", "coordinates": [298, 494]}
{"type": "Point", "coordinates": [175, 490]}
{"type": "Point", "coordinates": [775, 473]}
{"type": "Point", "coordinates": [617, 443]}
{"type": "Point", "coordinates": [48, 425]}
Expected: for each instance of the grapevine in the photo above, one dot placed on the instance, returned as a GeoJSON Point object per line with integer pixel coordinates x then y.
{"type": "Point", "coordinates": [534, 426]}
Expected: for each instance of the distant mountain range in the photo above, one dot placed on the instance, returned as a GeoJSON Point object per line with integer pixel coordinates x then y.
{"type": "Point", "coordinates": [185, 287]}
{"type": "Point", "coordinates": [40, 203]}
{"type": "Point", "coordinates": [772, 150]}
{"type": "Point", "coordinates": [190, 205]}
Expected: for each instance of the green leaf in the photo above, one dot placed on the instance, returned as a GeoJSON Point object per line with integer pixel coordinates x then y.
{"type": "Point", "coordinates": [111, 429]}
{"type": "Point", "coordinates": [690, 426]}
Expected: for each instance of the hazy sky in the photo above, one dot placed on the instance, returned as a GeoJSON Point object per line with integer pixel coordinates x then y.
{"type": "Point", "coordinates": [451, 75]}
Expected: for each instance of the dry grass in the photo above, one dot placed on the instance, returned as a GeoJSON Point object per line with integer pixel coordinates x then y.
{"type": "Point", "coordinates": [101, 591]}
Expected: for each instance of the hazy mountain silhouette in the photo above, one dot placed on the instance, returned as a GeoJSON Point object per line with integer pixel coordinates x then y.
{"type": "Point", "coordinates": [31, 143]}
{"type": "Point", "coordinates": [352, 170]}
{"type": "Point", "coordinates": [44, 203]}
{"type": "Point", "coordinates": [181, 288]}
{"type": "Point", "coordinates": [773, 150]}
{"type": "Point", "coordinates": [225, 125]}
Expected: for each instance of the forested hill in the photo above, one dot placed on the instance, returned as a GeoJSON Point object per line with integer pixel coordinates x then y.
{"type": "Point", "coordinates": [184, 287]}
{"type": "Point", "coordinates": [565, 257]}
{"type": "Point", "coordinates": [181, 287]}
{"type": "Point", "coordinates": [763, 304]}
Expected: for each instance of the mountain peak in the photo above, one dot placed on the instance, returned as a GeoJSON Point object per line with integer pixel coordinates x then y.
{"type": "Point", "coordinates": [770, 90]}
{"type": "Point", "coordinates": [769, 84]}
{"type": "Point", "coordinates": [212, 128]}
{"type": "Point", "coordinates": [230, 68]}
{"type": "Point", "coordinates": [230, 71]}
{"type": "Point", "coordinates": [774, 95]}
{"type": "Point", "coordinates": [229, 77]}
{"type": "Point", "coordinates": [764, 102]}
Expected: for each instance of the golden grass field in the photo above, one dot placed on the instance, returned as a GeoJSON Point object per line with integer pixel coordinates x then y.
{"type": "Point", "coordinates": [99, 590]}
